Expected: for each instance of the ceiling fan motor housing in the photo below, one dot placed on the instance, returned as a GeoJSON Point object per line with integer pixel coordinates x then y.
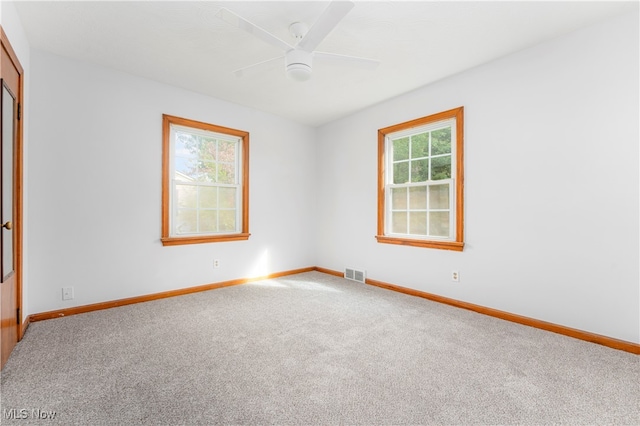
{"type": "Point", "coordinates": [298, 64]}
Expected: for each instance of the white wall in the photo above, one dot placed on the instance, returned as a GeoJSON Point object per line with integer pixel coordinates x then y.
{"type": "Point", "coordinates": [551, 185]}
{"type": "Point", "coordinates": [18, 39]}
{"type": "Point", "coordinates": [551, 172]}
{"type": "Point", "coordinates": [95, 188]}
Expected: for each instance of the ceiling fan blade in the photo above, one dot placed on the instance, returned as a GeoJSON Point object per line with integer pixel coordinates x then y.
{"type": "Point", "coordinates": [237, 21]}
{"type": "Point", "coordinates": [364, 63]}
{"type": "Point", "coordinates": [259, 67]}
{"type": "Point", "coordinates": [323, 26]}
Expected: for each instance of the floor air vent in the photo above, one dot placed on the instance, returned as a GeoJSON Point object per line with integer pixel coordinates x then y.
{"type": "Point", "coordinates": [354, 275]}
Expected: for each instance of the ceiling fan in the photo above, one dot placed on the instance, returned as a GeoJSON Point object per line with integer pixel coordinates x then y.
{"type": "Point", "coordinates": [298, 58]}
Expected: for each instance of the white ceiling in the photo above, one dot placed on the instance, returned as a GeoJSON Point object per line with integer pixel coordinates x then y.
{"type": "Point", "coordinates": [183, 44]}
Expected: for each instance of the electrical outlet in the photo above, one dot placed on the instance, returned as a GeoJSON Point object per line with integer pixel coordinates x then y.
{"type": "Point", "coordinates": [455, 276]}
{"type": "Point", "coordinates": [67, 293]}
{"type": "Point", "coordinates": [216, 263]}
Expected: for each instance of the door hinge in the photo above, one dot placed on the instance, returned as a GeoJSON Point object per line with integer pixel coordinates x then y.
{"type": "Point", "coordinates": [19, 111]}
{"type": "Point", "coordinates": [18, 314]}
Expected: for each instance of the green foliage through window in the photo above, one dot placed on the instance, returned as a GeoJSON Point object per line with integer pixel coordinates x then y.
{"type": "Point", "coordinates": [422, 157]}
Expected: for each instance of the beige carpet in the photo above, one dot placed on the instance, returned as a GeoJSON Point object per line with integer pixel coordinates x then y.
{"type": "Point", "coordinates": [310, 349]}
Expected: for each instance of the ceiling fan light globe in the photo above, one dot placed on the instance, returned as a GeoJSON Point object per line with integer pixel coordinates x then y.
{"type": "Point", "coordinates": [299, 72]}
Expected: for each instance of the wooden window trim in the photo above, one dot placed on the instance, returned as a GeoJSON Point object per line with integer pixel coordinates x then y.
{"type": "Point", "coordinates": [166, 238]}
{"type": "Point", "coordinates": [458, 244]}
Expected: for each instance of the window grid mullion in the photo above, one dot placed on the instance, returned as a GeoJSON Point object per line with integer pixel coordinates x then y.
{"type": "Point", "coordinates": [428, 193]}
{"type": "Point", "coordinates": [429, 177]}
{"type": "Point", "coordinates": [408, 200]}
{"type": "Point", "coordinates": [217, 160]}
{"type": "Point", "coordinates": [218, 188]}
{"type": "Point", "coordinates": [198, 208]}
{"type": "Point", "coordinates": [410, 166]}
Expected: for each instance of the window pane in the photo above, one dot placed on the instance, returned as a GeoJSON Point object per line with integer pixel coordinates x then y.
{"type": "Point", "coordinates": [439, 197]}
{"type": "Point", "coordinates": [401, 149]}
{"type": "Point", "coordinates": [186, 221]}
{"type": "Point", "coordinates": [201, 147]}
{"type": "Point", "coordinates": [208, 197]}
{"type": "Point", "coordinates": [191, 145]}
{"type": "Point", "coordinates": [439, 224]}
{"type": "Point", "coordinates": [208, 220]}
{"type": "Point", "coordinates": [420, 145]}
{"type": "Point", "coordinates": [206, 171]}
{"type": "Point", "coordinates": [186, 169]}
{"type": "Point", "coordinates": [228, 198]}
{"type": "Point", "coordinates": [398, 198]}
{"type": "Point", "coordinates": [186, 196]}
{"type": "Point", "coordinates": [227, 220]}
{"type": "Point", "coordinates": [441, 168]}
{"type": "Point", "coordinates": [418, 223]}
{"type": "Point", "coordinates": [207, 148]}
{"type": "Point", "coordinates": [399, 222]}
{"type": "Point", "coordinates": [418, 198]}
{"type": "Point", "coordinates": [226, 151]}
{"type": "Point", "coordinates": [441, 141]}
{"type": "Point", "coordinates": [227, 173]}
{"type": "Point", "coordinates": [420, 170]}
{"type": "Point", "coordinates": [401, 172]}
{"type": "Point", "coordinates": [184, 144]}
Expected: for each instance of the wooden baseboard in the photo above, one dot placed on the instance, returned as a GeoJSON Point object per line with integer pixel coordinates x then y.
{"type": "Point", "coordinates": [155, 296]}
{"type": "Point", "coordinates": [622, 345]}
{"type": "Point", "coordinates": [329, 271]}
{"type": "Point", "coordinates": [543, 325]}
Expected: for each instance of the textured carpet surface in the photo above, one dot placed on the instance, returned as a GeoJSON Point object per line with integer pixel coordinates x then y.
{"type": "Point", "coordinates": [310, 349]}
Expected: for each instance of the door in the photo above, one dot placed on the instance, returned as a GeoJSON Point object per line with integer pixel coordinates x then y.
{"type": "Point", "coordinates": [10, 200]}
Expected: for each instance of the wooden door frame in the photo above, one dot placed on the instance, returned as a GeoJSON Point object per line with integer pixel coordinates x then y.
{"type": "Point", "coordinates": [18, 182]}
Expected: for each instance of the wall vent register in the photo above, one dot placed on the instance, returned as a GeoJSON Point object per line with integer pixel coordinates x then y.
{"type": "Point", "coordinates": [354, 275]}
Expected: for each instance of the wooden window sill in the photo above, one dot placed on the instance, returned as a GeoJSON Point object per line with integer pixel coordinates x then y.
{"type": "Point", "coordinates": [200, 239]}
{"type": "Point", "coordinates": [443, 245]}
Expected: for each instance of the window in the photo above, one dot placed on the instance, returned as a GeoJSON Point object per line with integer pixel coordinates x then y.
{"type": "Point", "coordinates": [205, 182]}
{"type": "Point", "coordinates": [420, 182]}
